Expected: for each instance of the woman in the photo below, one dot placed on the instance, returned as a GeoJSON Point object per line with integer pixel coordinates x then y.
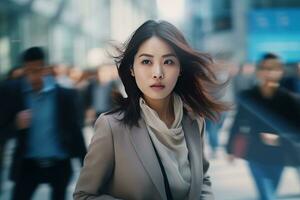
{"type": "Point", "coordinates": [150, 147]}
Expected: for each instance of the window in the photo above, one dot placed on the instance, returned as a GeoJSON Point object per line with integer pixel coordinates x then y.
{"type": "Point", "coordinates": [221, 15]}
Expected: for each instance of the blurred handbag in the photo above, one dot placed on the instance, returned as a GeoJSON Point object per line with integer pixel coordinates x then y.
{"type": "Point", "coordinates": [241, 143]}
{"type": "Point", "coordinates": [240, 146]}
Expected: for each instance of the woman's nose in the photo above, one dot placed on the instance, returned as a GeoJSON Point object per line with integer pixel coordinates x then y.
{"type": "Point", "coordinates": [158, 73]}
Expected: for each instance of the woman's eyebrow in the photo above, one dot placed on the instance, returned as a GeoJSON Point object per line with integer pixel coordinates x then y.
{"type": "Point", "coordinates": [145, 54]}
{"type": "Point", "coordinates": [169, 55]}
{"type": "Point", "coordinates": [164, 56]}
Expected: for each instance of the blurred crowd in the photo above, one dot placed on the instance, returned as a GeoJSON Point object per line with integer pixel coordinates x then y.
{"type": "Point", "coordinates": [45, 108]}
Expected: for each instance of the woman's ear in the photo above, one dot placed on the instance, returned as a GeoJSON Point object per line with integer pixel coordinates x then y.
{"type": "Point", "coordinates": [131, 71]}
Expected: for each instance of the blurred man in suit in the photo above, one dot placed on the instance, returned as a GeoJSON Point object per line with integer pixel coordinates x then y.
{"type": "Point", "coordinates": [45, 118]}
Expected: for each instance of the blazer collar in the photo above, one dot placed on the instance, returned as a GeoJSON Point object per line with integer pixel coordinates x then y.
{"type": "Point", "coordinates": [194, 145]}
{"type": "Point", "coordinates": [141, 141]}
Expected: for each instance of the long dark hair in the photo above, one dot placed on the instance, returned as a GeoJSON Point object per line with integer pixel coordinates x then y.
{"type": "Point", "coordinates": [194, 86]}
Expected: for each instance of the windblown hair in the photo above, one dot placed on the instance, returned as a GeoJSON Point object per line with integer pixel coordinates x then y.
{"type": "Point", "coordinates": [194, 86]}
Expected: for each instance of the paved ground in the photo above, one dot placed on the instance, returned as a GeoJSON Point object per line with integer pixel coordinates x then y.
{"type": "Point", "coordinates": [234, 182]}
{"type": "Point", "coordinates": [230, 181]}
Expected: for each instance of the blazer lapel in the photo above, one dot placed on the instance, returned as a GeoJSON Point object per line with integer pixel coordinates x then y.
{"type": "Point", "coordinates": [192, 136]}
{"type": "Point", "coordinates": [145, 151]}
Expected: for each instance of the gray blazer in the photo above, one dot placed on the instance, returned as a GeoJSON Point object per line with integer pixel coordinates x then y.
{"type": "Point", "coordinates": [121, 163]}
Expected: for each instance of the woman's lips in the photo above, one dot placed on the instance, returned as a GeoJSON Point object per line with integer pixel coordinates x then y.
{"type": "Point", "coordinates": [157, 86]}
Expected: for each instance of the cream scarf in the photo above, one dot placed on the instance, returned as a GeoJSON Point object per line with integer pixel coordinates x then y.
{"type": "Point", "coordinates": [171, 146]}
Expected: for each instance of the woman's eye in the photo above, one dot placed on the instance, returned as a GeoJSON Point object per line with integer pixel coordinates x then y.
{"type": "Point", "coordinates": [146, 62]}
{"type": "Point", "coordinates": [169, 62]}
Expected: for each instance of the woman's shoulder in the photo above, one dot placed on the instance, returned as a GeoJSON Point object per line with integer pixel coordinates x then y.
{"type": "Point", "coordinates": [110, 119]}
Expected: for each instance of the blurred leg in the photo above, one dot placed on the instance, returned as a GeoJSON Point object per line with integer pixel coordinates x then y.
{"type": "Point", "coordinates": [27, 182]}
{"type": "Point", "coordinates": [213, 136]}
{"type": "Point", "coordinates": [59, 180]}
{"type": "Point", "coordinates": [274, 174]}
{"type": "Point", "coordinates": [263, 183]}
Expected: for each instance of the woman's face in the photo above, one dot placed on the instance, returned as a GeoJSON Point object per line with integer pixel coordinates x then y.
{"type": "Point", "coordinates": [156, 69]}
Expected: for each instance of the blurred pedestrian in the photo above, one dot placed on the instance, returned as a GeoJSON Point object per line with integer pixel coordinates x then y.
{"type": "Point", "coordinates": [213, 131]}
{"type": "Point", "coordinates": [263, 122]}
{"type": "Point", "coordinates": [79, 83]}
{"type": "Point", "coordinates": [62, 77]}
{"type": "Point", "coordinates": [99, 93]}
{"type": "Point", "coordinates": [151, 147]}
{"type": "Point", "coordinates": [47, 129]}
{"type": "Point", "coordinates": [213, 128]}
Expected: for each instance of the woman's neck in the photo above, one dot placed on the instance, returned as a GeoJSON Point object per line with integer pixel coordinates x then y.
{"type": "Point", "coordinates": [164, 109]}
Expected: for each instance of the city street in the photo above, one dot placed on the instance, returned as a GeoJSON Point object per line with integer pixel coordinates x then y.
{"type": "Point", "coordinates": [234, 64]}
{"type": "Point", "coordinates": [234, 182]}
{"type": "Point", "coordinates": [230, 181]}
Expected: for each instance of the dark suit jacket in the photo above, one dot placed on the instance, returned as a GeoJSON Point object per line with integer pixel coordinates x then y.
{"type": "Point", "coordinates": [121, 163]}
{"type": "Point", "coordinates": [279, 114]}
{"type": "Point", "coordinates": [291, 83]}
{"type": "Point", "coordinates": [68, 121]}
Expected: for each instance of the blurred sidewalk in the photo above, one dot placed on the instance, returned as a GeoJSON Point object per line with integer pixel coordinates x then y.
{"type": "Point", "coordinates": [230, 181]}
{"type": "Point", "coordinates": [234, 181]}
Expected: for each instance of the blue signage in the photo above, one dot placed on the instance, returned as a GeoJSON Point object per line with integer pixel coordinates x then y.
{"type": "Point", "coordinates": [276, 31]}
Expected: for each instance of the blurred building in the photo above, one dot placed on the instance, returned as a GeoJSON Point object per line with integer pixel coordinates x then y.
{"type": "Point", "coordinates": [237, 30]}
{"type": "Point", "coordinates": [68, 29]}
